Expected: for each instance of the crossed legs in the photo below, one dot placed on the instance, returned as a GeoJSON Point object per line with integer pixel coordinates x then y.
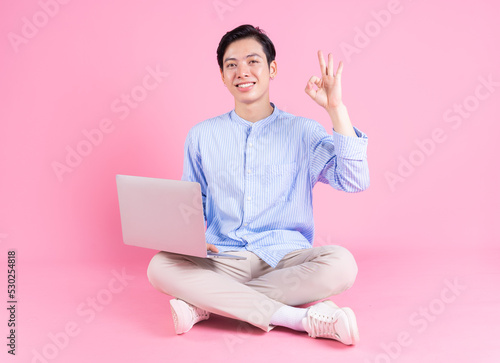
{"type": "Point", "coordinates": [250, 290]}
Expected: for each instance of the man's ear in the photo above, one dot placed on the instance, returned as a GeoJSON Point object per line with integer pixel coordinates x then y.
{"type": "Point", "coordinates": [222, 76]}
{"type": "Point", "coordinates": [273, 69]}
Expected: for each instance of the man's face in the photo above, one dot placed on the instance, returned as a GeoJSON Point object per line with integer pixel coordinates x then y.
{"type": "Point", "coordinates": [245, 71]}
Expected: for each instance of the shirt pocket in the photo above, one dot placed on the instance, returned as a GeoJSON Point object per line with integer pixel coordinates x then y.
{"type": "Point", "coordinates": [279, 180]}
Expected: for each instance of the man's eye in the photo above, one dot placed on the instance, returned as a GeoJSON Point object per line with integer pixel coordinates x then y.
{"type": "Point", "coordinates": [230, 65]}
{"type": "Point", "coordinates": [254, 61]}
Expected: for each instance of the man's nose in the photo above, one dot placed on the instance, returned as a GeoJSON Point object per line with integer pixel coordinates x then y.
{"type": "Point", "coordinates": [242, 70]}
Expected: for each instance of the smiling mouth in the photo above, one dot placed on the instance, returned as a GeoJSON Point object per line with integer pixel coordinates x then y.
{"type": "Point", "coordinates": [245, 85]}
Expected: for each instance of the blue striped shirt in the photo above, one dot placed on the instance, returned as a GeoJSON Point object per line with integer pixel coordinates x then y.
{"type": "Point", "coordinates": [257, 178]}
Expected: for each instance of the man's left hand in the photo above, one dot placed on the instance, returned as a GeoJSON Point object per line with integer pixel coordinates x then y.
{"type": "Point", "coordinates": [328, 93]}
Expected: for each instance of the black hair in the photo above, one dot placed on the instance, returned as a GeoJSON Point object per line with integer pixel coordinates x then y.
{"type": "Point", "coordinates": [243, 32]}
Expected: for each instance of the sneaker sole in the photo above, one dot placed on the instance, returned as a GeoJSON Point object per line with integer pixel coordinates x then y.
{"type": "Point", "coordinates": [353, 326]}
{"type": "Point", "coordinates": [174, 304]}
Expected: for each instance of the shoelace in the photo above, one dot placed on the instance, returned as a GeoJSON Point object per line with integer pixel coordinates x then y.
{"type": "Point", "coordinates": [324, 326]}
{"type": "Point", "coordinates": [198, 313]}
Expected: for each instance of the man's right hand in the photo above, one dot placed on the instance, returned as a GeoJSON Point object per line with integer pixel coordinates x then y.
{"type": "Point", "coordinates": [212, 248]}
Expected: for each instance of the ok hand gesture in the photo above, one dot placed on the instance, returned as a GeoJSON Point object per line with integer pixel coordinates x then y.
{"type": "Point", "coordinates": [328, 93]}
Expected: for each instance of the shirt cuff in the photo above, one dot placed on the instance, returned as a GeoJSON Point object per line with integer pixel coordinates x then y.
{"type": "Point", "coordinates": [349, 147]}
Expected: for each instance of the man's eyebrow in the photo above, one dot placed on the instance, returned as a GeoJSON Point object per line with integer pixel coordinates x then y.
{"type": "Point", "coordinates": [248, 56]}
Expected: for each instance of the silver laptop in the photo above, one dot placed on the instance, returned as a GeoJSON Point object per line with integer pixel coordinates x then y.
{"type": "Point", "coordinates": [165, 215]}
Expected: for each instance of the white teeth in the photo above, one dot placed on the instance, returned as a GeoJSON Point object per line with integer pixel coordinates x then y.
{"type": "Point", "coordinates": [245, 85]}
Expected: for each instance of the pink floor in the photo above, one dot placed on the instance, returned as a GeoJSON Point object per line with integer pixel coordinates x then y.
{"type": "Point", "coordinates": [410, 306]}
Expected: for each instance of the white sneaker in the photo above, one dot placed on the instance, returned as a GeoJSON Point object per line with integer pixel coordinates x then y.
{"type": "Point", "coordinates": [327, 320]}
{"type": "Point", "coordinates": [186, 315]}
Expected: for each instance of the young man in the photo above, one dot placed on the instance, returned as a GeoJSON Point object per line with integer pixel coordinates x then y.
{"type": "Point", "coordinates": [257, 166]}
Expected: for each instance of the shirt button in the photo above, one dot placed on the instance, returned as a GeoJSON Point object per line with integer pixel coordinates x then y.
{"type": "Point", "coordinates": [250, 144]}
{"type": "Point", "coordinates": [249, 198]}
{"type": "Point", "coordinates": [246, 224]}
{"type": "Point", "coordinates": [249, 171]}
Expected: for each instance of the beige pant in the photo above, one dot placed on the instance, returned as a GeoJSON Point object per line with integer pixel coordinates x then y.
{"type": "Point", "coordinates": [250, 290]}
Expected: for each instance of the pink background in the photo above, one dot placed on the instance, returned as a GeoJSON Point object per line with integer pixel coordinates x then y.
{"type": "Point", "coordinates": [64, 68]}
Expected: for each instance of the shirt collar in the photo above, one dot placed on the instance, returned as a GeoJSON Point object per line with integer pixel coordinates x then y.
{"type": "Point", "coordinates": [258, 124]}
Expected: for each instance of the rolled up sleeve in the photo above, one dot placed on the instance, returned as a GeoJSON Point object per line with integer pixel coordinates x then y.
{"type": "Point", "coordinates": [339, 160]}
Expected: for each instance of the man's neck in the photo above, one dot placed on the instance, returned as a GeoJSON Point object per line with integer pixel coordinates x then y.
{"type": "Point", "coordinates": [254, 112]}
